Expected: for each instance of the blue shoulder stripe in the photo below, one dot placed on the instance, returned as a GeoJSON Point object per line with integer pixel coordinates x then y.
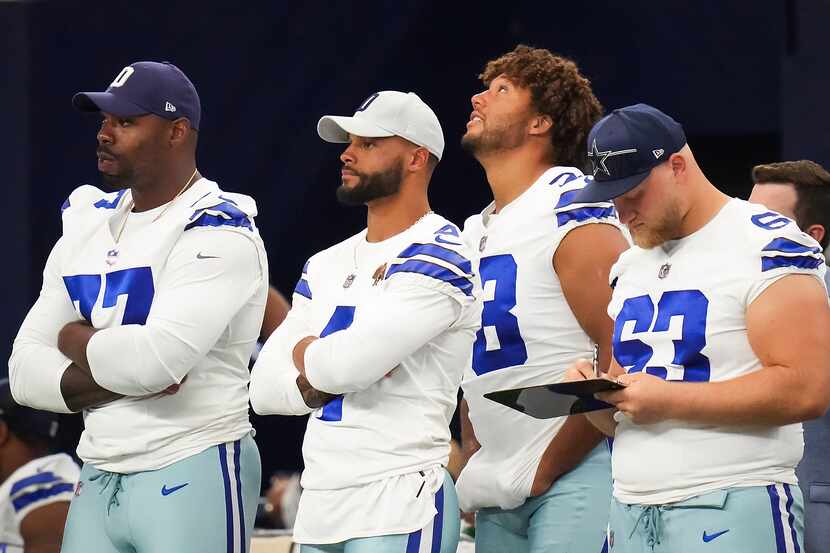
{"type": "Point", "coordinates": [39, 495]}
{"type": "Point", "coordinates": [583, 214]}
{"type": "Point", "coordinates": [567, 198]}
{"type": "Point", "coordinates": [785, 245]}
{"type": "Point", "coordinates": [302, 288]}
{"type": "Point", "coordinates": [799, 261]}
{"type": "Point", "coordinates": [39, 478]}
{"type": "Point", "coordinates": [437, 272]}
{"type": "Point", "coordinates": [104, 204]}
{"type": "Point", "coordinates": [224, 214]}
{"type": "Point", "coordinates": [439, 252]}
{"type": "Point", "coordinates": [567, 176]}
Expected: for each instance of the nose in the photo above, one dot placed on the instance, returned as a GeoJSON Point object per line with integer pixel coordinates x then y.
{"type": "Point", "coordinates": [624, 211]}
{"type": "Point", "coordinates": [347, 157]}
{"type": "Point", "coordinates": [478, 99]}
{"type": "Point", "coordinates": [104, 135]}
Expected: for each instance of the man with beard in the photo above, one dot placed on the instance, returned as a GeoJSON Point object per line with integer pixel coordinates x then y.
{"type": "Point", "coordinates": [537, 485]}
{"type": "Point", "coordinates": [374, 347]}
{"type": "Point", "coordinates": [161, 281]}
{"type": "Point", "coordinates": [720, 338]}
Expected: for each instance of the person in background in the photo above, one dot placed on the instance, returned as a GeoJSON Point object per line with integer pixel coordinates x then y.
{"type": "Point", "coordinates": [37, 485]}
{"type": "Point", "coordinates": [800, 190]}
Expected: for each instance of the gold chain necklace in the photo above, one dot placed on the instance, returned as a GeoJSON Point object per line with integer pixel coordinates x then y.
{"type": "Point", "coordinates": [112, 255]}
{"type": "Point", "coordinates": [353, 275]}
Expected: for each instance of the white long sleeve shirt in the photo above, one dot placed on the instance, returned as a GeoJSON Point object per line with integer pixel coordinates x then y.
{"type": "Point", "coordinates": [396, 321]}
{"type": "Point", "coordinates": [183, 295]}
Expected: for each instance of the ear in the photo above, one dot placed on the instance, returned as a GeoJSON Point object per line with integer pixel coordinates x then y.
{"type": "Point", "coordinates": [418, 159]}
{"type": "Point", "coordinates": [678, 165]}
{"type": "Point", "coordinates": [179, 130]}
{"type": "Point", "coordinates": [818, 232]}
{"type": "Point", "coordinates": [540, 124]}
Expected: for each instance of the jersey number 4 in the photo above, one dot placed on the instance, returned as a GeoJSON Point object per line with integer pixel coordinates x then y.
{"type": "Point", "coordinates": [341, 319]}
{"type": "Point", "coordinates": [499, 341]}
{"type": "Point", "coordinates": [136, 284]}
{"type": "Point", "coordinates": [669, 344]}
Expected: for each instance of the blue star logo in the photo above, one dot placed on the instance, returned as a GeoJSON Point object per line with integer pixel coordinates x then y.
{"type": "Point", "coordinates": [598, 158]}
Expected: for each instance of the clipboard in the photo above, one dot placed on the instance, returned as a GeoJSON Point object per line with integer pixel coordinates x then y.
{"type": "Point", "coordinates": [549, 401]}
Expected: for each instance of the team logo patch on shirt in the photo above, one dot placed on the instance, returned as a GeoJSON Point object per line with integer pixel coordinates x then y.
{"type": "Point", "coordinates": [378, 275]}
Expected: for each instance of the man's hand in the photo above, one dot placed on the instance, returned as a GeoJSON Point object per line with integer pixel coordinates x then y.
{"type": "Point", "coordinates": [298, 354]}
{"type": "Point", "coordinates": [73, 339]}
{"type": "Point", "coordinates": [583, 369]}
{"type": "Point", "coordinates": [646, 399]}
{"type": "Point", "coordinates": [313, 398]}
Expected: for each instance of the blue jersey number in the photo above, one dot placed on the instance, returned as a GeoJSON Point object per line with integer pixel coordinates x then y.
{"type": "Point", "coordinates": [770, 220]}
{"type": "Point", "coordinates": [672, 340]}
{"type": "Point", "coordinates": [136, 284]}
{"type": "Point", "coordinates": [341, 319]}
{"type": "Point", "coordinates": [505, 347]}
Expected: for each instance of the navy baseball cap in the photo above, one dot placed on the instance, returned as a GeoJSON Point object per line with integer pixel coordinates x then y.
{"type": "Point", "coordinates": [624, 146]}
{"type": "Point", "coordinates": [145, 87]}
{"type": "Point", "coordinates": [25, 421]}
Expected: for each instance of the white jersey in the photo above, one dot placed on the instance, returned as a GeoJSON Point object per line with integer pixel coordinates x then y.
{"type": "Point", "coordinates": [181, 294]}
{"type": "Point", "coordinates": [396, 321]}
{"type": "Point", "coordinates": [680, 314]}
{"type": "Point", "coordinates": [38, 483]}
{"type": "Point", "coordinates": [528, 334]}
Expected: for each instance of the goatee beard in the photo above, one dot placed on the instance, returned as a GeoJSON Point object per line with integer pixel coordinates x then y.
{"type": "Point", "coordinates": [372, 186]}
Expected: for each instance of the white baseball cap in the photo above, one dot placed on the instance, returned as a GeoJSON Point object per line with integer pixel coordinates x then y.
{"type": "Point", "coordinates": [387, 113]}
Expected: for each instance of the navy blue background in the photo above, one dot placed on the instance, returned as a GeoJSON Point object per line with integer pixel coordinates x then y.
{"type": "Point", "coordinates": [747, 79]}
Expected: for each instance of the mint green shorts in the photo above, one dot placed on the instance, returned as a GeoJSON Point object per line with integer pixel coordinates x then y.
{"type": "Point", "coordinates": [571, 517]}
{"type": "Point", "coordinates": [757, 519]}
{"type": "Point", "coordinates": [202, 504]}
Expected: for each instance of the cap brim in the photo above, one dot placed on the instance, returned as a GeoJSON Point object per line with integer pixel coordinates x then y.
{"type": "Point", "coordinates": [334, 128]}
{"type": "Point", "coordinates": [603, 191]}
{"type": "Point", "coordinates": [106, 102]}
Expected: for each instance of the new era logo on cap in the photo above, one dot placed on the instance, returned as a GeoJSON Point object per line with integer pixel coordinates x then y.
{"type": "Point", "coordinates": [619, 146]}
{"type": "Point", "coordinates": [169, 107]}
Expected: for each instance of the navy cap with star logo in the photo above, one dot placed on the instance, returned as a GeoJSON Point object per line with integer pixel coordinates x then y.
{"type": "Point", "coordinates": [624, 146]}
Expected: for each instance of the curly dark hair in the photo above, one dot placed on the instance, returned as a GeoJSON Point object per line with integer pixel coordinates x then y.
{"type": "Point", "coordinates": [558, 90]}
{"type": "Point", "coordinates": [812, 187]}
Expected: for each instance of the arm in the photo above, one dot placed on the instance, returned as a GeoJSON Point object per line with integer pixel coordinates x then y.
{"type": "Point", "coordinates": [469, 442]}
{"type": "Point", "coordinates": [787, 326]}
{"type": "Point", "coordinates": [276, 310]}
{"type": "Point", "coordinates": [582, 262]}
{"type": "Point", "coordinates": [195, 299]}
{"type": "Point", "coordinates": [335, 365]}
{"type": "Point", "coordinates": [40, 375]}
{"type": "Point", "coordinates": [79, 389]}
{"type": "Point", "coordinates": [275, 388]}
{"type": "Point", "coordinates": [42, 528]}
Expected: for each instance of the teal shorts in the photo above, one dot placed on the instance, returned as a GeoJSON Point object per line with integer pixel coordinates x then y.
{"type": "Point", "coordinates": [757, 519]}
{"type": "Point", "coordinates": [439, 536]}
{"type": "Point", "coordinates": [571, 517]}
{"type": "Point", "coordinates": [205, 503]}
